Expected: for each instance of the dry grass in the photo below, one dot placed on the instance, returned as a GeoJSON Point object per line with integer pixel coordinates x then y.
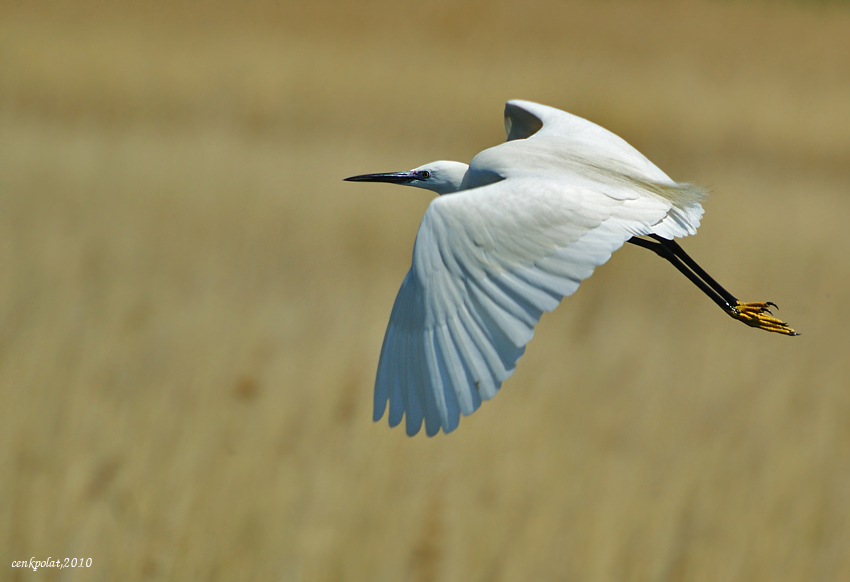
{"type": "Point", "coordinates": [192, 302]}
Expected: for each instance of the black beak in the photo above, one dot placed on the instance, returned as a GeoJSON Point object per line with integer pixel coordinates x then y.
{"type": "Point", "coordinates": [391, 177]}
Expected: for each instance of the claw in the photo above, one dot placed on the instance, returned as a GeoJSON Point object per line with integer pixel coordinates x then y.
{"type": "Point", "coordinates": [758, 314]}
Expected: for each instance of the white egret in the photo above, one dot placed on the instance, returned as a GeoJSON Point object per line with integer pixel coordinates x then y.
{"type": "Point", "coordinates": [512, 234]}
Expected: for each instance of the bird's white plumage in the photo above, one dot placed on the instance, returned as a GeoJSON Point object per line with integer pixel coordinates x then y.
{"type": "Point", "coordinates": [533, 218]}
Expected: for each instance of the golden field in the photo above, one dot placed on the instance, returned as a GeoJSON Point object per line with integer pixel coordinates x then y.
{"type": "Point", "coordinates": [192, 302]}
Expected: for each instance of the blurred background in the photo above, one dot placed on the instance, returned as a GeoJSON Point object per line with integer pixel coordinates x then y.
{"type": "Point", "coordinates": [192, 302]}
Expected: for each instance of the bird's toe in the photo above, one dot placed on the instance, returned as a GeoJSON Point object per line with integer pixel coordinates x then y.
{"type": "Point", "coordinates": [757, 314]}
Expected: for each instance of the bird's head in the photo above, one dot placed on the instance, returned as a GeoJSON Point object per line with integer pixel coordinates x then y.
{"type": "Point", "coordinates": [440, 177]}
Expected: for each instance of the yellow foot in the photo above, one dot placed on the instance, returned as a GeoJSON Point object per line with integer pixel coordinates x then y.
{"type": "Point", "coordinates": [758, 315]}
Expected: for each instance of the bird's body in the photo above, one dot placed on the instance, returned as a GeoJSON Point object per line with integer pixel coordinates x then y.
{"type": "Point", "coordinates": [510, 235]}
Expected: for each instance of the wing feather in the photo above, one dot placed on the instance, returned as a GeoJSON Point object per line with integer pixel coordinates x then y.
{"type": "Point", "coordinates": [484, 354]}
{"type": "Point", "coordinates": [486, 266]}
{"type": "Point", "coordinates": [452, 371]}
{"type": "Point", "coordinates": [397, 380]}
{"type": "Point", "coordinates": [505, 311]}
{"type": "Point", "coordinates": [499, 327]}
{"type": "Point", "coordinates": [427, 392]}
{"type": "Point", "coordinates": [535, 299]}
{"type": "Point", "coordinates": [415, 412]}
{"type": "Point", "coordinates": [436, 372]}
{"type": "Point", "coordinates": [382, 381]}
{"type": "Point", "coordinates": [473, 364]}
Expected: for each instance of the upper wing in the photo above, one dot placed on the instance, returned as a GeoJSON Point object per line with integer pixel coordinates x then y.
{"type": "Point", "coordinates": [486, 264]}
{"type": "Point", "coordinates": [566, 142]}
{"type": "Point", "coordinates": [526, 119]}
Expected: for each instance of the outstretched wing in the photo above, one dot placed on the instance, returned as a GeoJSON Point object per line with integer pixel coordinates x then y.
{"type": "Point", "coordinates": [486, 264]}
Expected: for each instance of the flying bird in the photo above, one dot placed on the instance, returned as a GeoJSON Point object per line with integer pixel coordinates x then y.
{"type": "Point", "coordinates": [510, 235]}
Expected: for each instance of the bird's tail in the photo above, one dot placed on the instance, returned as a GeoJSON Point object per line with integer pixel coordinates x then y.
{"type": "Point", "coordinates": [685, 199]}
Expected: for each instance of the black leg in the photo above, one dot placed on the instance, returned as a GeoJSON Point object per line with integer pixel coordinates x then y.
{"type": "Point", "coordinates": [725, 299]}
{"type": "Point", "coordinates": [755, 314]}
{"type": "Point", "coordinates": [692, 264]}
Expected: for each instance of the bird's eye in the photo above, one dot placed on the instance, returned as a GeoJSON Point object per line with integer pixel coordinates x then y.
{"type": "Point", "coordinates": [424, 174]}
